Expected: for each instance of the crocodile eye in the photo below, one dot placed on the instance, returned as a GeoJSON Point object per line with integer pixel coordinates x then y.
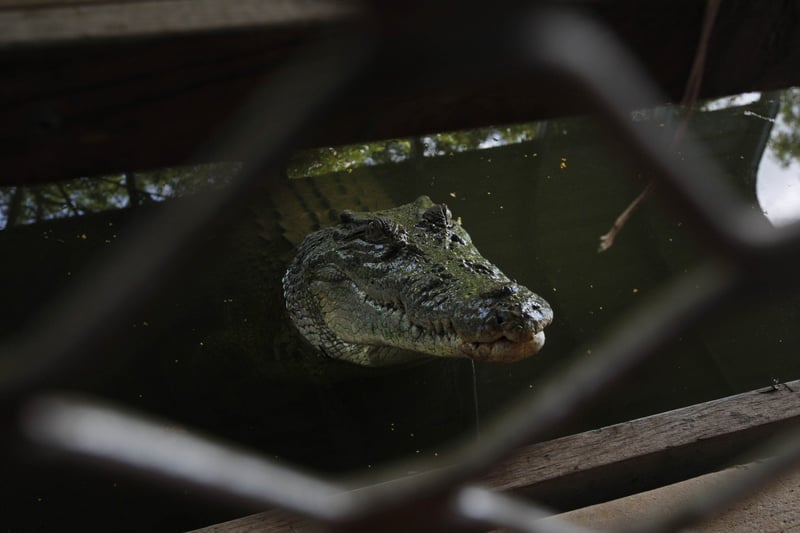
{"type": "Point", "coordinates": [374, 231]}
{"type": "Point", "coordinates": [383, 231]}
{"type": "Point", "coordinates": [438, 215]}
{"type": "Point", "coordinates": [455, 239]}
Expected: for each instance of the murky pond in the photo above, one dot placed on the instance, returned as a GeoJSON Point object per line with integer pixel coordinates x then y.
{"type": "Point", "coordinates": [214, 352]}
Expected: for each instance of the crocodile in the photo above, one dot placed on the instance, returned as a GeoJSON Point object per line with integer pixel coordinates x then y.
{"type": "Point", "coordinates": [385, 287]}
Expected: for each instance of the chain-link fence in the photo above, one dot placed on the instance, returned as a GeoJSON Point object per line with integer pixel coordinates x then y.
{"type": "Point", "coordinates": [554, 42]}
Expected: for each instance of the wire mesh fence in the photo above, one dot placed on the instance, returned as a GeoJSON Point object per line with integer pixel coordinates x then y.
{"type": "Point", "coordinates": [555, 42]}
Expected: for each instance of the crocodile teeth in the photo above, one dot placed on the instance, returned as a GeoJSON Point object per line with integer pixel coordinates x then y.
{"type": "Point", "coordinates": [439, 330]}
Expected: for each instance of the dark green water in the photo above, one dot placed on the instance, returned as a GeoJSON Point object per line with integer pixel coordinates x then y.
{"type": "Point", "coordinates": [200, 353]}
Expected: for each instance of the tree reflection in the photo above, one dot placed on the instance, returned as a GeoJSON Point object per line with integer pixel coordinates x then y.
{"type": "Point", "coordinates": [25, 205]}
{"type": "Point", "coordinates": [29, 204]}
{"type": "Point", "coordinates": [22, 205]}
{"type": "Point", "coordinates": [785, 139]}
{"type": "Point", "coordinates": [328, 160]}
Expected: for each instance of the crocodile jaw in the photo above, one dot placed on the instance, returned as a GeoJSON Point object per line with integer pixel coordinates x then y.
{"type": "Point", "coordinates": [503, 350]}
{"type": "Point", "coordinates": [373, 331]}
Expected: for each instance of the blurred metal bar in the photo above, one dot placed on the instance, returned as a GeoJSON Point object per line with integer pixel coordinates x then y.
{"type": "Point", "coordinates": [496, 510]}
{"type": "Point", "coordinates": [107, 437]}
{"type": "Point", "coordinates": [100, 300]}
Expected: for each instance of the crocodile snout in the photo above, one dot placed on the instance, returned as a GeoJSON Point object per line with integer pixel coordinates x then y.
{"type": "Point", "coordinates": [508, 324]}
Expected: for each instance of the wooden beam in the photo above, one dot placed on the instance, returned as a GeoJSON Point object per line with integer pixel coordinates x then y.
{"type": "Point", "coordinates": [623, 459]}
{"type": "Point", "coordinates": [775, 507]}
{"type": "Point", "coordinates": [642, 454]}
{"type": "Point", "coordinates": [102, 86]}
{"type": "Point", "coordinates": [73, 21]}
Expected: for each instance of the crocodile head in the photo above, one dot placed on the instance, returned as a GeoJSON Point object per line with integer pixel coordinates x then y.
{"type": "Point", "coordinates": [381, 285]}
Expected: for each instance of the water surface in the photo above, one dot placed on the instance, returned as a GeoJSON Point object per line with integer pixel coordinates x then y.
{"type": "Point", "coordinates": [209, 352]}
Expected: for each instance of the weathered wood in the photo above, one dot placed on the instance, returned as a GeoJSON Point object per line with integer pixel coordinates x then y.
{"type": "Point", "coordinates": [43, 22]}
{"type": "Point", "coordinates": [107, 86]}
{"type": "Point", "coordinates": [275, 520]}
{"type": "Point", "coordinates": [614, 461]}
{"type": "Point", "coordinates": [773, 508]}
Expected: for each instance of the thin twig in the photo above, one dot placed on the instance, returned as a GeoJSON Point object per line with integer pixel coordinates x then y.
{"type": "Point", "coordinates": [608, 239]}
{"type": "Point", "coordinates": [689, 99]}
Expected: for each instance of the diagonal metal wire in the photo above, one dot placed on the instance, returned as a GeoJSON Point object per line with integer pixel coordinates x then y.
{"type": "Point", "coordinates": [105, 436]}
{"type": "Point", "coordinates": [497, 510]}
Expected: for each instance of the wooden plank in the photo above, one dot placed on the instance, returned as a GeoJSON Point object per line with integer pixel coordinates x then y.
{"type": "Point", "coordinates": [626, 458]}
{"type": "Point", "coordinates": [275, 520]}
{"type": "Point", "coordinates": [775, 507]}
{"type": "Point", "coordinates": [108, 86]}
{"type": "Point", "coordinates": [70, 20]}
{"type": "Point", "coordinates": [623, 459]}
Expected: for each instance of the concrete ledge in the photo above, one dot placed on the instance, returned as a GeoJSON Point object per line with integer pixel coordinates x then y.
{"type": "Point", "coordinates": [774, 508]}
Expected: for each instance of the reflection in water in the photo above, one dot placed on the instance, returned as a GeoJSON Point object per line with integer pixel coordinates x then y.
{"type": "Point", "coordinates": [778, 189]}
{"type": "Point", "coordinates": [778, 183]}
{"type": "Point", "coordinates": [24, 205]}
{"type": "Point", "coordinates": [737, 100]}
{"type": "Point", "coordinates": [321, 161]}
